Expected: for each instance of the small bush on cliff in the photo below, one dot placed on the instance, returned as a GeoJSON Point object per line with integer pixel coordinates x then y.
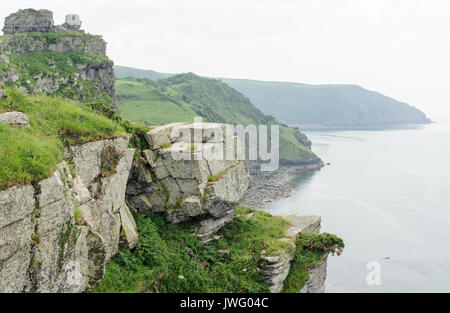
{"type": "Point", "coordinates": [29, 155]}
{"type": "Point", "coordinates": [310, 250]}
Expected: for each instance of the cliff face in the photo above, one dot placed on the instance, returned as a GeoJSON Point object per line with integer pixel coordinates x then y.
{"type": "Point", "coordinates": [55, 60]}
{"type": "Point", "coordinates": [61, 225]}
{"type": "Point", "coordinates": [76, 222]}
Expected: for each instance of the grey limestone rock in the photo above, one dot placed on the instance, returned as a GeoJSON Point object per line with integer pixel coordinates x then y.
{"type": "Point", "coordinates": [183, 190]}
{"type": "Point", "coordinates": [58, 235]}
{"type": "Point", "coordinates": [29, 20]}
{"type": "Point", "coordinates": [18, 119]}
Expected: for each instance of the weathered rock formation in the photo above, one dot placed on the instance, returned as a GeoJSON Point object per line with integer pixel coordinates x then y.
{"type": "Point", "coordinates": [275, 268]}
{"type": "Point", "coordinates": [185, 181]}
{"type": "Point", "coordinates": [83, 77]}
{"type": "Point", "coordinates": [29, 20]}
{"type": "Point", "coordinates": [58, 234]}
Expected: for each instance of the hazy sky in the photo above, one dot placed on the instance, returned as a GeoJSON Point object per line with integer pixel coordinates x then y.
{"type": "Point", "coordinates": [399, 47]}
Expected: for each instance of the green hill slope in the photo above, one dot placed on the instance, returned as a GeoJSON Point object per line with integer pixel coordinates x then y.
{"type": "Point", "coordinates": [184, 96]}
{"type": "Point", "coordinates": [327, 105]}
{"type": "Point", "coordinates": [314, 105]}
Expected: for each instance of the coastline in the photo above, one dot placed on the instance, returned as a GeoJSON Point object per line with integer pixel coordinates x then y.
{"type": "Point", "coordinates": [270, 186]}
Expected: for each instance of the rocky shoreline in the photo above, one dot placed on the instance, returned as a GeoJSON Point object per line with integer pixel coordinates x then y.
{"type": "Point", "coordinates": [270, 186]}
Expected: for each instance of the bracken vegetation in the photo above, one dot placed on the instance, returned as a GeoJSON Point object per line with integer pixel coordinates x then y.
{"type": "Point", "coordinates": [169, 259]}
{"type": "Point", "coordinates": [310, 250]}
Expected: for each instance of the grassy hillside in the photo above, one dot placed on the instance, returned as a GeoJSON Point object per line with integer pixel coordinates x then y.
{"type": "Point", "coordinates": [32, 66]}
{"type": "Point", "coordinates": [148, 102]}
{"type": "Point", "coordinates": [314, 105]}
{"type": "Point", "coordinates": [169, 259]}
{"type": "Point", "coordinates": [31, 154]}
{"type": "Point", "coordinates": [326, 105]}
{"type": "Point", "coordinates": [182, 97]}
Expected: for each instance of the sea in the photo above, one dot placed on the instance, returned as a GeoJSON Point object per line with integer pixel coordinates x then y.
{"type": "Point", "coordinates": [386, 193]}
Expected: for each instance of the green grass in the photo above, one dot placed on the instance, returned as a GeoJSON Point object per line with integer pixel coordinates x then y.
{"type": "Point", "coordinates": [30, 155]}
{"type": "Point", "coordinates": [145, 103]}
{"type": "Point", "coordinates": [166, 252]}
{"type": "Point", "coordinates": [78, 216]}
{"type": "Point", "coordinates": [220, 175]}
{"type": "Point", "coordinates": [166, 145]}
{"type": "Point", "coordinates": [48, 63]}
{"type": "Point", "coordinates": [310, 249]}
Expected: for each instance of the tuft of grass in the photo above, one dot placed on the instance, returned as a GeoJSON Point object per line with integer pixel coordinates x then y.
{"type": "Point", "coordinates": [220, 175]}
{"type": "Point", "coordinates": [78, 215]}
{"type": "Point", "coordinates": [29, 155]}
{"type": "Point", "coordinates": [310, 249]}
{"type": "Point", "coordinates": [166, 145]}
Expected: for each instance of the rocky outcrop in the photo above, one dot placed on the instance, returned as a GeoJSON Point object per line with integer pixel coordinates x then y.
{"type": "Point", "coordinates": [38, 21]}
{"type": "Point", "coordinates": [57, 235]}
{"type": "Point", "coordinates": [185, 181]}
{"type": "Point", "coordinates": [18, 119]}
{"type": "Point", "coordinates": [29, 20]}
{"type": "Point", "coordinates": [83, 77]}
{"type": "Point", "coordinates": [275, 268]}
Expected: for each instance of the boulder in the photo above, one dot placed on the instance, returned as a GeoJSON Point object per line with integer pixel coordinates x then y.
{"type": "Point", "coordinates": [191, 181]}
{"type": "Point", "coordinates": [162, 135]}
{"type": "Point", "coordinates": [18, 119]}
{"type": "Point", "coordinates": [28, 20]}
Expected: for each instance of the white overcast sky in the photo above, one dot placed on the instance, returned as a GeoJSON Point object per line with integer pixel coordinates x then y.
{"type": "Point", "coordinates": [399, 47]}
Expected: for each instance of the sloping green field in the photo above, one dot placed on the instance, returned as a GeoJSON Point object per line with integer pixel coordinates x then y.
{"type": "Point", "coordinates": [182, 97]}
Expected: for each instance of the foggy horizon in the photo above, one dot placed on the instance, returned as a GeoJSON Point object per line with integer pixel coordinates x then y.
{"type": "Point", "coordinates": [397, 49]}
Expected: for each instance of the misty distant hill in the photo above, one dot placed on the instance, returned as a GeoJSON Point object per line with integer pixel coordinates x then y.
{"type": "Point", "coordinates": [327, 105]}
{"type": "Point", "coordinates": [349, 106]}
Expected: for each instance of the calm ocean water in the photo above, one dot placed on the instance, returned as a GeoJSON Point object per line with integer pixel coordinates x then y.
{"type": "Point", "coordinates": [387, 194]}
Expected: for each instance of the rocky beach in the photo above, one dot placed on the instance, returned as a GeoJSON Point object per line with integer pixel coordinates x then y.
{"type": "Point", "coordinates": [269, 186]}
